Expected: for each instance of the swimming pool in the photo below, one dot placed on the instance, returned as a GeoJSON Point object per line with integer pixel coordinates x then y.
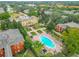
{"type": "Point", "coordinates": [47, 41]}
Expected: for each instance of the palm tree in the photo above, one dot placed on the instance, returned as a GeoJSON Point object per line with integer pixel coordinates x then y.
{"type": "Point", "coordinates": [37, 44]}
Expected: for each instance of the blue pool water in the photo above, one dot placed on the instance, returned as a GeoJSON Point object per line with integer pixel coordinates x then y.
{"type": "Point", "coordinates": [47, 42]}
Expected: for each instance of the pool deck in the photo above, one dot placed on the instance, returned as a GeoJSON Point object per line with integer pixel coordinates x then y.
{"type": "Point", "coordinates": [58, 45]}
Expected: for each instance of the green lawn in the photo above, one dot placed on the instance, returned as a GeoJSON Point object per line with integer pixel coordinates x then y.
{"type": "Point", "coordinates": [0, 27]}
{"type": "Point", "coordinates": [28, 53]}
{"type": "Point", "coordinates": [25, 53]}
{"type": "Point", "coordinates": [33, 33]}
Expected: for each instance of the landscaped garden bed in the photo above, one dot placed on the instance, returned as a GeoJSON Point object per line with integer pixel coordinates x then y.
{"type": "Point", "coordinates": [39, 31]}
{"type": "Point", "coordinates": [28, 53]}
{"type": "Point", "coordinates": [28, 29]}
{"type": "Point", "coordinates": [20, 54]}
{"type": "Point", "coordinates": [33, 33]}
{"type": "Point", "coordinates": [25, 53]}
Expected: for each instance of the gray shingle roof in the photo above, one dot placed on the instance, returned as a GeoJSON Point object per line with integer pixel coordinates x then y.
{"type": "Point", "coordinates": [11, 36]}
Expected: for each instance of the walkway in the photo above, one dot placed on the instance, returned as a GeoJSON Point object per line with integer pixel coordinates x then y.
{"type": "Point", "coordinates": [35, 30]}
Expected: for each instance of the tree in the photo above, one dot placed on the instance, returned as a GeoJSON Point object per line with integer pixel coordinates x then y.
{"type": "Point", "coordinates": [71, 42]}
{"type": "Point", "coordinates": [2, 25]}
{"type": "Point", "coordinates": [15, 24]}
{"type": "Point", "coordinates": [37, 44]}
{"type": "Point", "coordinates": [22, 30]}
{"type": "Point", "coordinates": [4, 16]}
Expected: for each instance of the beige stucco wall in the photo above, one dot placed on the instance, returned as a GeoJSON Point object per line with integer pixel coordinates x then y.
{"type": "Point", "coordinates": [29, 22]}
{"type": "Point", "coordinates": [26, 22]}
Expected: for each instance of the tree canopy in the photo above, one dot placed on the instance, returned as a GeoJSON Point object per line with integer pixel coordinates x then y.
{"type": "Point", "coordinates": [71, 41]}
{"type": "Point", "coordinates": [4, 16]}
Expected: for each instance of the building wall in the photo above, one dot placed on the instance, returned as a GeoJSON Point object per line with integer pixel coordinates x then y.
{"type": "Point", "coordinates": [59, 28]}
{"type": "Point", "coordinates": [15, 48]}
{"type": "Point", "coordinates": [29, 22]}
{"type": "Point", "coordinates": [2, 53]}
